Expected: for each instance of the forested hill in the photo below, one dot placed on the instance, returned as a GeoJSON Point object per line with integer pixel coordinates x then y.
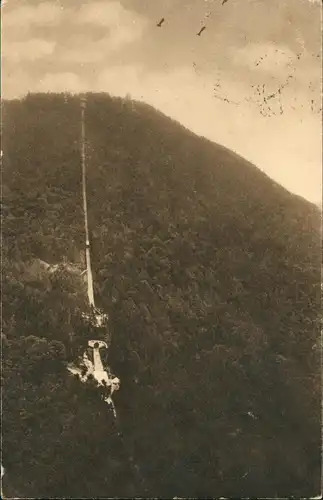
{"type": "Point", "coordinates": [210, 273]}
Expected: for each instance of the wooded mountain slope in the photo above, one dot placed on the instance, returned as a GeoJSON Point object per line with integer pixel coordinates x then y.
{"type": "Point", "coordinates": [210, 273]}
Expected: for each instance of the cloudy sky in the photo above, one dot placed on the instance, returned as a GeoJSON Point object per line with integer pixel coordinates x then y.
{"type": "Point", "coordinates": [251, 81]}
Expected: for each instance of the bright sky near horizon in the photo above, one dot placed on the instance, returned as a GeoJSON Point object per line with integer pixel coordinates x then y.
{"type": "Point", "coordinates": [251, 81]}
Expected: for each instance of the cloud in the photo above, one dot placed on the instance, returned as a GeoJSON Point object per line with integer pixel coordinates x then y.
{"type": "Point", "coordinates": [265, 57]}
{"type": "Point", "coordinates": [29, 50]}
{"type": "Point", "coordinates": [123, 26]}
{"type": "Point", "coordinates": [107, 14]}
{"type": "Point", "coordinates": [82, 49]}
{"type": "Point", "coordinates": [43, 14]}
{"type": "Point", "coordinates": [61, 82]}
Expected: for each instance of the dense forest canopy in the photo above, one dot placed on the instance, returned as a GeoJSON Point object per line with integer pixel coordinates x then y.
{"type": "Point", "coordinates": [210, 274]}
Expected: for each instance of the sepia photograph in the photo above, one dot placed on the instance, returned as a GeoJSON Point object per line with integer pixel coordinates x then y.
{"type": "Point", "coordinates": [161, 249]}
